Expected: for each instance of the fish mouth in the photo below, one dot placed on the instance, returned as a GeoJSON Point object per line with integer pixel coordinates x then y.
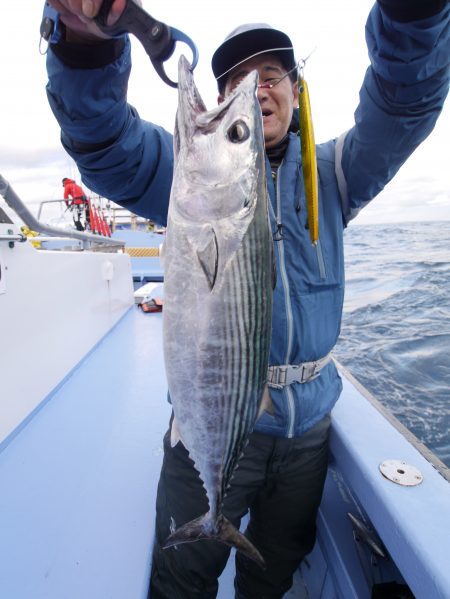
{"type": "Point", "coordinates": [192, 112]}
{"type": "Point", "coordinates": [190, 104]}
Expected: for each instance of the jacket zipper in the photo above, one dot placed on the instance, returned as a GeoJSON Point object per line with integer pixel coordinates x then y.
{"type": "Point", "coordinates": [288, 306]}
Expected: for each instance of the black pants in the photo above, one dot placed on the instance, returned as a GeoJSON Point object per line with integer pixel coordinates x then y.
{"type": "Point", "coordinates": [279, 480]}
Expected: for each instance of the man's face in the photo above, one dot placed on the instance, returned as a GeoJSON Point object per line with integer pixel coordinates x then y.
{"type": "Point", "coordinates": [276, 103]}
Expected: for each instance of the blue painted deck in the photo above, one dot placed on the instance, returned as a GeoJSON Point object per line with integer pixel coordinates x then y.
{"type": "Point", "coordinates": [78, 483]}
{"type": "Point", "coordinates": [78, 488]}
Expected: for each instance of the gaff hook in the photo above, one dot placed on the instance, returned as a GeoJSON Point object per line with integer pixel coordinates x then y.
{"type": "Point", "coordinates": [158, 39]}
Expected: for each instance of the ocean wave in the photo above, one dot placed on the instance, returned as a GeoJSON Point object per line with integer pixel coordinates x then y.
{"type": "Point", "coordinates": [395, 334]}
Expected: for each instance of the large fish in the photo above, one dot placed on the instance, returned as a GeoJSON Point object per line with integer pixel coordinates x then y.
{"type": "Point", "coordinates": [218, 266]}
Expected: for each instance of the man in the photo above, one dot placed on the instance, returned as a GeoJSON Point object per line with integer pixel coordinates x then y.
{"type": "Point", "coordinates": [77, 202]}
{"type": "Point", "coordinates": [281, 475]}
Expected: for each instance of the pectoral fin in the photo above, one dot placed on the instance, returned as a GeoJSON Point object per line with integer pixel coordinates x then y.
{"type": "Point", "coordinates": [208, 255]}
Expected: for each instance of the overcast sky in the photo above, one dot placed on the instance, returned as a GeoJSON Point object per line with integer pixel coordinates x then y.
{"type": "Point", "coordinates": [31, 157]}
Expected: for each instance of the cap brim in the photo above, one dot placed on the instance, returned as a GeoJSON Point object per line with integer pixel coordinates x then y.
{"type": "Point", "coordinates": [250, 43]}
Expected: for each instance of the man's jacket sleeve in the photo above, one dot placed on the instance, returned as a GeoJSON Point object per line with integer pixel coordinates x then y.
{"type": "Point", "coordinates": [119, 156]}
{"type": "Point", "coordinates": [400, 100]}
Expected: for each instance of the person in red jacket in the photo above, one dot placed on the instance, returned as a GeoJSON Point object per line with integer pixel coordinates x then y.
{"type": "Point", "coordinates": [77, 202]}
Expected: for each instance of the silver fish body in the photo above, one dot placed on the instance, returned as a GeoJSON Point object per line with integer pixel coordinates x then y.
{"type": "Point", "coordinates": [218, 262]}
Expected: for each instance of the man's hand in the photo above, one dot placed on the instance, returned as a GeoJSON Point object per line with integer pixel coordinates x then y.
{"type": "Point", "coordinates": [78, 15]}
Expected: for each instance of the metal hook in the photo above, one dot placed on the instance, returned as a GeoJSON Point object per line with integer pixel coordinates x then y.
{"type": "Point", "coordinates": [302, 62]}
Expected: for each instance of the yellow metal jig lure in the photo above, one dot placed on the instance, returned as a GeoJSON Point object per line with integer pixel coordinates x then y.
{"type": "Point", "coordinates": [309, 161]}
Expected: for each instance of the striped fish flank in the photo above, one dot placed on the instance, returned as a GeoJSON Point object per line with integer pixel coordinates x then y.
{"type": "Point", "coordinates": [218, 292]}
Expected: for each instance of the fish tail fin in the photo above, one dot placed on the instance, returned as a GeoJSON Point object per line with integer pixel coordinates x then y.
{"type": "Point", "coordinates": [221, 530]}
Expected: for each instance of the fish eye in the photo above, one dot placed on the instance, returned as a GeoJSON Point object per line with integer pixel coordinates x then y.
{"type": "Point", "coordinates": [238, 132]}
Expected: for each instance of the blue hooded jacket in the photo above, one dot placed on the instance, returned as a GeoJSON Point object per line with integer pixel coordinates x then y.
{"type": "Point", "coordinates": [130, 161]}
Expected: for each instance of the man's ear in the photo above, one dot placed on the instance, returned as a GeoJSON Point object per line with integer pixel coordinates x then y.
{"type": "Point", "coordinates": [220, 99]}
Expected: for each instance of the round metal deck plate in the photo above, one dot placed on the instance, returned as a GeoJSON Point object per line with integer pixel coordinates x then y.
{"type": "Point", "coordinates": [401, 473]}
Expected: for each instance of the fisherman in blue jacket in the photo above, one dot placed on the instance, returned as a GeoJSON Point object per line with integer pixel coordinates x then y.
{"type": "Point", "coordinates": [281, 475]}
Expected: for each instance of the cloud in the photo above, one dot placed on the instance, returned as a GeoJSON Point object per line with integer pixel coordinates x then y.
{"type": "Point", "coordinates": [33, 161]}
{"type": "Point", "coordinates": [30, 157]}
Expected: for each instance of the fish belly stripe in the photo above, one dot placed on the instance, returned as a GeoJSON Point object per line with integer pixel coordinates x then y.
{"type": "Point", "coordinates": [253, 337]}
{"type": "Point", "coordinates": [233, 373]}
{"type": "Point", "coordinates": [256, 337]}
{"type": "Point", "coordinates": [237, 418]}
{"type": "Point", "coordinates": [247, 268]}
{"type": "Point", "coordinates": [236, 381]}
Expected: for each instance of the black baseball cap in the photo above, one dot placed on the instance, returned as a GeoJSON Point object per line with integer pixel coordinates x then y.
{"type": "Point", "coordinates": [247, 41]}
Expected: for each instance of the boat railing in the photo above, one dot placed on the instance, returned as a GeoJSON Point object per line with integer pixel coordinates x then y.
{"type": "Point", "coordinates": [88, 240]}
{"type": "Point", "coordinates": [429, 455]}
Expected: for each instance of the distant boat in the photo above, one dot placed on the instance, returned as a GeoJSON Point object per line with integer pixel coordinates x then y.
{"type": "Point", "coordinates": [82, 414]}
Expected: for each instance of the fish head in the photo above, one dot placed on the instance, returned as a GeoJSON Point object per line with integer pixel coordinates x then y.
{"type": "Point", "coordinates": [219, 154]}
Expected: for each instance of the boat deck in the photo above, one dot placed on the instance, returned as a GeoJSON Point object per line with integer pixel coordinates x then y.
{"type": "Point", "coordinates": [78, 486]}
{"type": "Point", "coordinates": [78, 482]}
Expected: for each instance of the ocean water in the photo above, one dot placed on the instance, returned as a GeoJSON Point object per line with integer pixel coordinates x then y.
{"type": "Point", "coordinates": [395, 335]}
